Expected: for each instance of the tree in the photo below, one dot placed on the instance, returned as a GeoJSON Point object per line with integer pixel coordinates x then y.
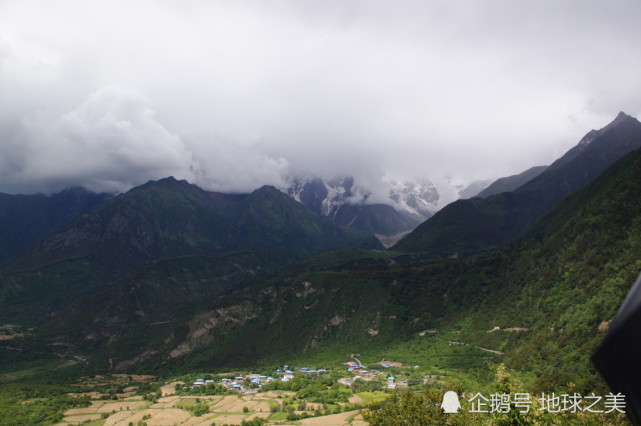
{"type": "Point", "coordinates": [407, 408]}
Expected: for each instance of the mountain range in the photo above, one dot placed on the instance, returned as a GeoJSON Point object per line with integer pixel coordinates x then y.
{"type": "Point", "coordinates": [27, 218]}
{"type": "Point", "coordinates": [474, 225]}
{"type": "Point", "coordinates": [171, 277]}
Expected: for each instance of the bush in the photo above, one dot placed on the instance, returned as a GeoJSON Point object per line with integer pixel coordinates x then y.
{"type": "Point", "coordinates": [199, 409]}
{"type": "Point", "coordinates": [255, 422]}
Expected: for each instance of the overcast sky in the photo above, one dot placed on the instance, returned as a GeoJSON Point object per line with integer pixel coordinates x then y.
{"type": "Point", "coordinates": [235, 94]}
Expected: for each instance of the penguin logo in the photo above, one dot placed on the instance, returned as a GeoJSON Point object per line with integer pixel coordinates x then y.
{"type": "Point", "coordinates": [450, 402]}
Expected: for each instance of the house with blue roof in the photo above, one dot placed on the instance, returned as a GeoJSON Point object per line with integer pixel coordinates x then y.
{"type": "Point", "coordinates": [391, 382]}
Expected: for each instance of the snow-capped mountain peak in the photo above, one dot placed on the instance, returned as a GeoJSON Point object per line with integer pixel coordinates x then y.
{"type": "Point", "coordinates": [421, 198]}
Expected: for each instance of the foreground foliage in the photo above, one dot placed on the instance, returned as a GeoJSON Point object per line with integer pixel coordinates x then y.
{"type": "Point", "coordinates": [36, 404]}
{"type": "Point", "coordinates": [410, 407]}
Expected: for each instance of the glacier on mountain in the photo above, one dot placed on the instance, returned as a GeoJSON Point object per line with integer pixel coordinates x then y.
{"type": "Point", "coordinates": [421, 198]}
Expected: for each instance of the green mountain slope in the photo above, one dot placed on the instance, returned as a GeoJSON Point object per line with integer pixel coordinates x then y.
{"type": "Point", "coordinates": [470, 226]}
{"type": "Point", "coordinates": [161, 220]}
{"type": "Point", "coordinates": [170, 218]}
{"type": "Point", "coordinates": [551, 296]}
{"type": "Point", "coordinates": [587, 258]}
{"type": "Point", "coordinates": [269, 219]}
{"type": "Point", "coordinates": [157, 219]}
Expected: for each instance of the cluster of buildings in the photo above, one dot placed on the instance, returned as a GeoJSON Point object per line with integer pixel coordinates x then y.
{"type": "Point", "coordinates": [243, 384]}
{"type": "Point", "coordinates": [240, 383]}
{"type": "Point", "coordinates": [289, 374]}
{"type": "Point", "coordinates": [354, 366]}
{"type": "Point", "coordinates": [364, 374]}
{"type": "Point", "coordinates": [249, 383]}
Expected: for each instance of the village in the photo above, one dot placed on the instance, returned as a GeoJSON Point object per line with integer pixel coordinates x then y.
{"type": "Point", "coordinates": [252, 383]}
{"type": "Point", "coordinates": [289, 395]}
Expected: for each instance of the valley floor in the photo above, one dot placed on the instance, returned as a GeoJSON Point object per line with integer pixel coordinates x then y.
{"type": "Point", "coordinates": [173, 409]}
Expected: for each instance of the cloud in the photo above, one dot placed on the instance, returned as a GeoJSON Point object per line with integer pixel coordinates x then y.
{"type": "Point", "coordinates": [246, 93]}
{"type": "Point", "coordinates": [236, 164]}
{"type": "Point", "coordinates": [110, 142]}
{"type": "Point", "coordinates": [113, 141]}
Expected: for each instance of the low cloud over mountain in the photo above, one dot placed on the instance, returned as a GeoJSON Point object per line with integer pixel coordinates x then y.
{"type": "Point", "coordinates": [114, 140]}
